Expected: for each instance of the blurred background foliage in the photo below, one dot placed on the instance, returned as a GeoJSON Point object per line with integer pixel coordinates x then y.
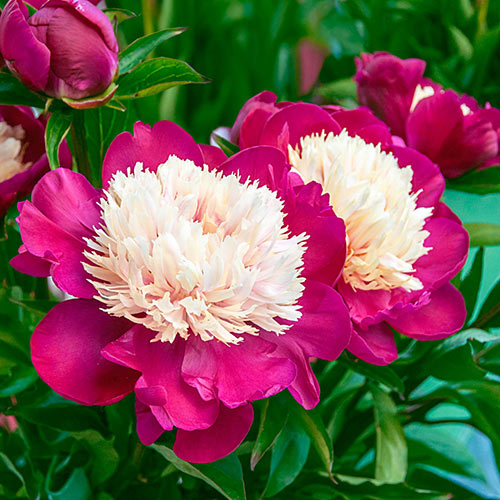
{"type": "Point", "coordinates": [426, 427]}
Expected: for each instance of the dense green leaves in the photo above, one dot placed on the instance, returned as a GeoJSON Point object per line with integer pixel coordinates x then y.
{"type": "Point", "coordinates": [480, 181]}
{"type": "Point", "coordinates": [12, 91]}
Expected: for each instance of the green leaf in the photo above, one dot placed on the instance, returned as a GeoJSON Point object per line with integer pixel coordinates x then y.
{"type": "Point", "coordinates": [22, 378]}
{"type": "Point", "coordinates": [383, 374]}
{"type": "Point", "coordinates": [312, 424]}
{"type": "Point", "coordinates": [289, 456]}
{"type": "Point", "coordinates": [489, 315]}
{"type": "Point", "coordinates": [483, 234]}
{"type": "Point", "coordinates": [224, 475]}
{"type": "Point", "coordinates": [480, 181]}
{"type": "Point", "coordinates": [156, 75]}
{"type": "Point", "coordinates": [104, 456]}
{"type": "Point", "coordinates": [391, 462]}
{"type": "Point", "coordinates": [57, 128]}
{"type": "Point", "coordinates": [489, 358]}
{"type": "Point", "coordinates": [12, 91]}
{"type": "Point", "coordinates": [139, 49]}
{"type": "Point", "coordinates": [119, 15]}
{"type": "Point", "coordinates": [462, 43]}
{"type": "Point", "coordinates": [452, 359]}
{"type": "Point", "coordinates": [273, 417]}
{"type": "Point", "coordinates": [76, 488]}
{"type": "Point", "coordinates": [469, 286]}
{"type": "Point", "coordinates": [227, 147]}
{"type": "Point", "coordinates": [64, 417]}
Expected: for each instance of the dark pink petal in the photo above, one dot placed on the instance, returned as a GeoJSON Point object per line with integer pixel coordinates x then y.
{"type": "Point", "coordinates": [457, 143]}
{"type": "Point", "coordinates": [46, 240]}
{"type": "Point", "coordinates": [386, 84]}
{"type": "Point", "coordinates": [324, 330]}
{"type": "Point", "coordinates": [374, 345]}
{"type": "Point", "coordinates": [443, 316]}
{"type": "Point", "coordinates": [260, 163]}
{"type": "Point", "coordinates": [265, 101]}
{"type": "Point", "coordinates": [219, 440]}
{"type": "Point", "coordinates": [443, 210]}
{"type": "Point", "coordinates": [426, 175]}
{"type": "Point", "coordinates": [69, 200]}
{"type": "Point", "coordinates": [160, 364]}
{"type": "Point", "coordinates": [212, 155]}
{"type": "Point", "coordinates": [236, 374]}
{"type": "Point", "coordinates": [149, 146]}
{"type": "Point", "coordinates": [450, 246]}
{"type": "Point", "coordinates": [290, 123]}
{"type": "Point", "coordinates": [28, 263]}
{"type": "Point", "coordinates": [66, 352]}
{"type": "Point", "coordinates": [6, 201]}
{"type": "Point", "coordinates": [148, 428]}
{"type": "Point", "coordinates": [308, 211]}
{"type": "Point", "coordinates": [23, 53]}
{"type": "Point", "coordinates": [361, 122]}
{"type": "Point", "coordinates": [305, 388]}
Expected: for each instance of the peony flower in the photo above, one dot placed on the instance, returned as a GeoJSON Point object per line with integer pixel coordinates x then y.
{"type": "Point", "coordinates": [38, 3]}
{"type": "Point", "coordinates": [67, 49]}
{"type": "Point", "coordinates": [403, 245]}
{"type": "Point", "coordinates": [452, 130]}
{"type": "Point", "coordinates": [22, 154]}
{"type": "Point", "coordinates": [202, 285]}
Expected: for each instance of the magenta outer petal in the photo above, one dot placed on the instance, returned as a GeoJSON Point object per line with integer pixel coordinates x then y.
{"type": "Point", "coordinates": [450, 246]}
{"type": "Point", "coordinates": [149, 146]}
{"type": "Point", "coordinates": [443, 210]}
{"type": "Point", "coordinates": [69, 200]}
{"type": "Point", "coordinates": [264, 101]}
{"type": "Point", "coordinates": [184, 406]}
{"type": "Point", "coordinates": [374, 345]}
{"type": "Point", "coordinates": [23, 53]}
{"type": "Point", "coordinates": [46, 240]}
{"type": "Point", "coordinates": [455, 142]}
{"type": "Point", "coordinates": [362, 122]}
{"type": "Point", "coordinates": [66, 352]}
{"type": "Point", "coordinates": [212, 155]}
{"type": "Point", "coordinates": [443, 316]}
{"type": "Point", "coordinates": [219, 440]}
{"type": "Point", "coordinates": [386, 84]}
{"type": "Point", "coordinates": [148, 427]}
{"type": "Point", "coordinates": [236, 374]}
{"type": "Point", "coordinates": [292, 122]}
{"type": "Point", "coordinates": [305, 388]}
{"type": "Point", "coordinates": [28, 263]}
{"type": "Point", "coordinates": [426, 175]}
{"type": "Point", "coordinates": [308, 211]}
{"type": "Point", "coordinates": [265, 164]}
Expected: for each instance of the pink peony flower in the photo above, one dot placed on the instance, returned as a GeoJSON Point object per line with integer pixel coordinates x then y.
{"type": "Point", "coordinates": [403, 244]}
{"type": "Point", "coordinates": [452, 130]}
{"type": "Point", "coordinates": [203, 284]}
{"type": "Point", "coordinates": [67, 49]}
{"type": "Point", "coordinates": [38, 3]}
{"type": "Point", "coordinates": [22, 154]}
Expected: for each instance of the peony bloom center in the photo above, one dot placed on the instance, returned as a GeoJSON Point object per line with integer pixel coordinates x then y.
{"type": "Point", "coordinates": [373, 194]}
{"type": "Point", "coordinates": [188, 251]}
{"type": "Point", "coordinates": [11, 151]}
{"type": "Point", "coordinates": [428, 91]}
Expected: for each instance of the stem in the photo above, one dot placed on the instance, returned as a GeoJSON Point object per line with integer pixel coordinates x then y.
{"type": "Point", "coordinates": [148, 14]}
{"type": "Point", "coordinates": [481, 17]}
{"type": "Point", "coordinates": [80, 144]}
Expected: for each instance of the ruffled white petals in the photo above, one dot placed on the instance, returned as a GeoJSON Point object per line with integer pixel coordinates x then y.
{"type": "Point", "coordinates": [187, 251]}
{"type": "Point", "coordinates": [373, 195]}
{"type": "Point", "coordinates": [11, 151]}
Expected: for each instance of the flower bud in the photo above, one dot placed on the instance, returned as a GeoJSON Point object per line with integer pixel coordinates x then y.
{"type": "Point", "coordinates": [67, 49]}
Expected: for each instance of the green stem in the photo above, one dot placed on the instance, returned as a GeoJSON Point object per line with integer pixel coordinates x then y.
{"type": "Point", "coordinates": [148, 15]}
{"type": "Point", "coordinates": [80, 144]}
{"type": "Point", "coordinates": [481, 17]}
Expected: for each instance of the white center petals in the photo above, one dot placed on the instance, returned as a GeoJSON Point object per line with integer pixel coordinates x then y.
{"type": "Point", "coordinates": [428, 91]}
{"type": "Point", "coordinates": [185, 251]}
{"type": "Point", "coordinates": [373, 194]}
{"type": "Point", "coordinates": [11, 151]}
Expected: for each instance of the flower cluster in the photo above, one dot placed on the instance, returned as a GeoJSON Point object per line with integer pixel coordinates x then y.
{"type": "Point", "coordinates": [452, 130]}
{"type": "Point", "coordinates": [202, 283]}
